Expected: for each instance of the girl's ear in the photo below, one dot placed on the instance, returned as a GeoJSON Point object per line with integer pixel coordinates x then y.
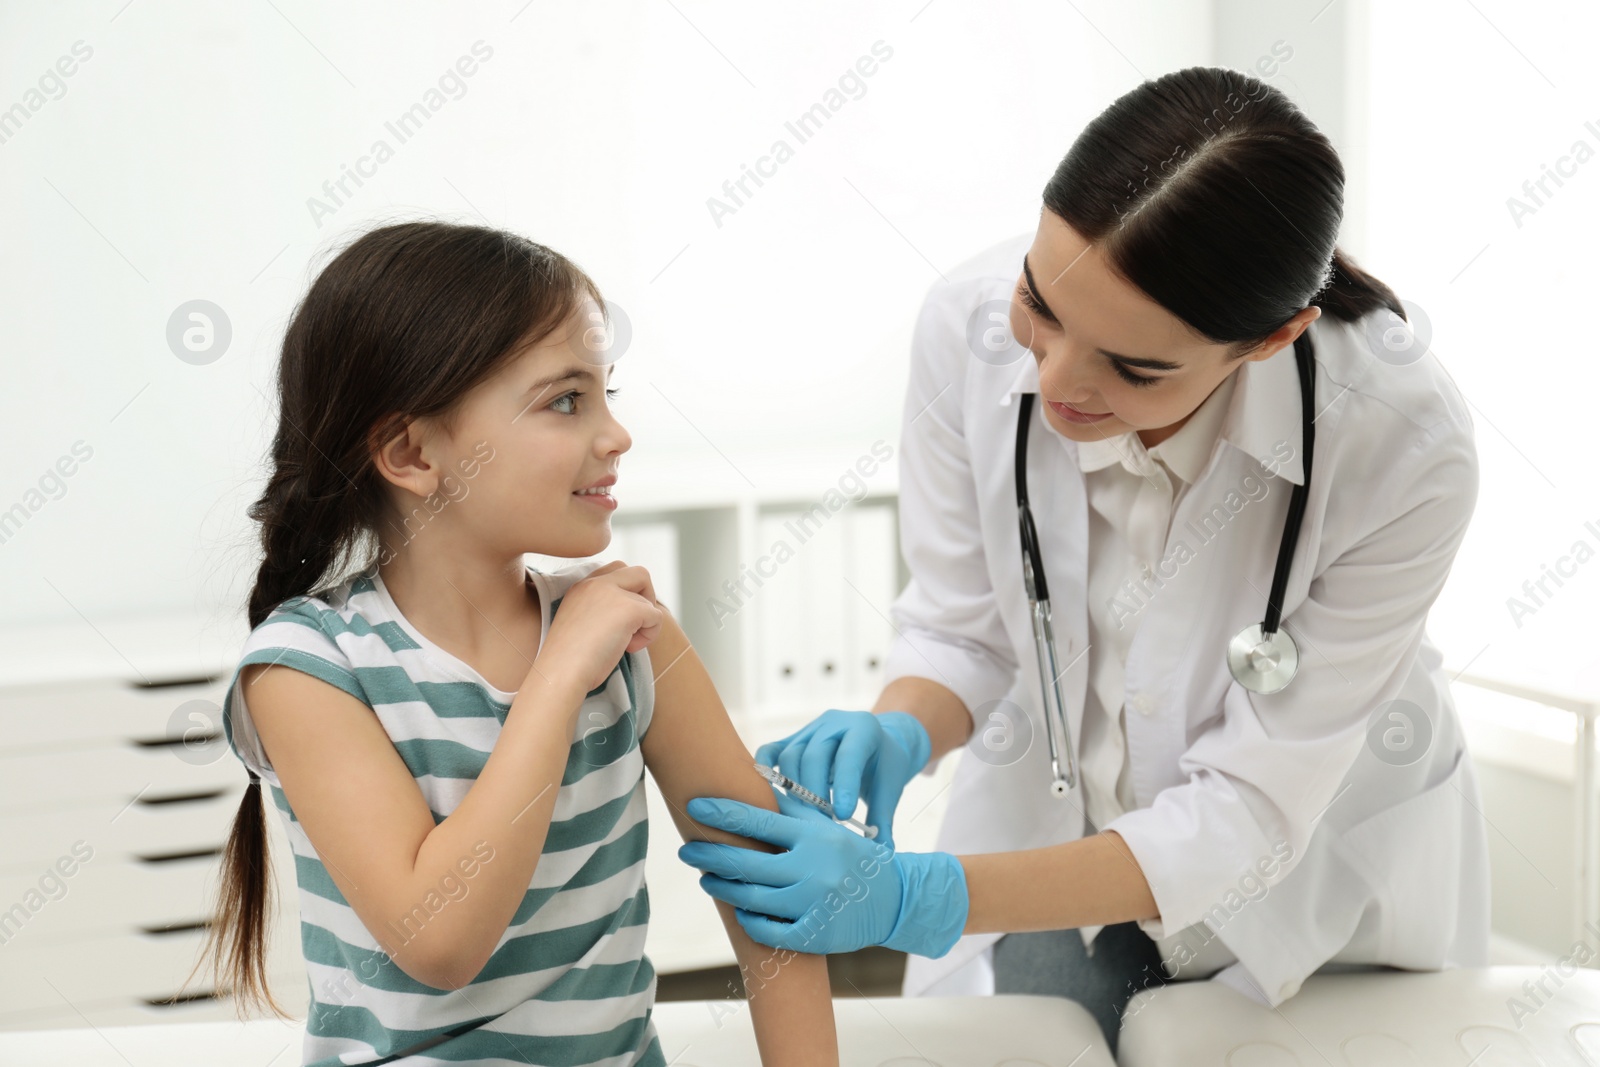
{"type": "Point", "coordinates": [403, 459]}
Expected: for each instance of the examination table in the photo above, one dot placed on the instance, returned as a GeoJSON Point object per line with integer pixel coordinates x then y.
{"type": "Point", "coordinates": [1490, 1017]}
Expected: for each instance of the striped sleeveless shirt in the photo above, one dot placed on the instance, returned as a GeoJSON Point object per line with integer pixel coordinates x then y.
{"type": "Point", "coordinates": [569, 983]}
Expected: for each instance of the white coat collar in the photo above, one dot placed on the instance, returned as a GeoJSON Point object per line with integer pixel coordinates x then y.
{"type": "Point", "coordinates": [1263, 413]}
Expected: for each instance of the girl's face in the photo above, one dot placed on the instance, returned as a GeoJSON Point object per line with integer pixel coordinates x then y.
{"type": "Point", "coordinates": [1110, 358]}
{"type": "Point", "coordinates": [525, 441]}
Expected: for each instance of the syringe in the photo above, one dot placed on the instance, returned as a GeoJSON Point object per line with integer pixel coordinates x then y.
{"type": "Point", "coordinates": [795, 789]}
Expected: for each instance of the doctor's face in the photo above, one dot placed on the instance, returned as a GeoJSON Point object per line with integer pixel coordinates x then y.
{"type": "Point", "coordinates": [1110, 358]}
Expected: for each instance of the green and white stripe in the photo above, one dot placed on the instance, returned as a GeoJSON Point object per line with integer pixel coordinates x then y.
{"type": "Point", "coordinates": [568, 983]}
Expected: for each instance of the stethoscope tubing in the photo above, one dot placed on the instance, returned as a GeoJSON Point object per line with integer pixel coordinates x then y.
{"type": "Point", "coordinates": [1264, 637]}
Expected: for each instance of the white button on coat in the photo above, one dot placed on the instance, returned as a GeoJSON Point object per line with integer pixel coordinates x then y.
{"type": "Point", "coordinates": [1267, 817]}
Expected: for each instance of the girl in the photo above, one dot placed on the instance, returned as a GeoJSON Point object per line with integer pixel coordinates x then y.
{"type": "Point", "coordinates": [456, 742]}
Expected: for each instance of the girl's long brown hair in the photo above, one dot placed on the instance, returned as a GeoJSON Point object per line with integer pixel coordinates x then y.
{"type": "Point", "coordinates": [401, 323]}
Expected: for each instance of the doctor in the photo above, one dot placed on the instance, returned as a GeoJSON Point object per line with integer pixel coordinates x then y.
{"type": "Point", "coordinates": [1251, 779]}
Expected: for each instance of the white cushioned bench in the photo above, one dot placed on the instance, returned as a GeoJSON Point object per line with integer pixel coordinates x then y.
{"type": "Point", "coordinates": [873, 1032]}
{"type": "Point", "coordinates": [1482, 1016]}
{"type": "Point", "coordinates": [1383, 1019]}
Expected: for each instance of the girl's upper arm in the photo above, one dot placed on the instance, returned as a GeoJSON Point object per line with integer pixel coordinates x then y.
{"type": "Point", "coordinates": [351, 792]}
{"type": "Point", "coordinates": [691, 747]}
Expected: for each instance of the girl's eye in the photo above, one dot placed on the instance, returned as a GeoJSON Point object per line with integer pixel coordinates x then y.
{"type": "Point", "coordinates": [611, 394]}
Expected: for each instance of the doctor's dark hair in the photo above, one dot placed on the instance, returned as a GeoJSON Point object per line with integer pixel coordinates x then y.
{"type": "Point", "coordinates": [401, 324]}
{"type": "Point", "coordinates": [1216, 196]}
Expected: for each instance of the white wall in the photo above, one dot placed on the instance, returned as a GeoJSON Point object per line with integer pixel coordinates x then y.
{"type": "Point", "coordinates": [1467, 102]}
{"type": "Point", "coordinates": [1315, 51]}
{"type": "Point", "coordinates": [178, 161]}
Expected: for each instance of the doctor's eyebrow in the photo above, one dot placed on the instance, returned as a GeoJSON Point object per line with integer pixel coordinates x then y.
{"type": "Point", "coordinates": [1131, 361]}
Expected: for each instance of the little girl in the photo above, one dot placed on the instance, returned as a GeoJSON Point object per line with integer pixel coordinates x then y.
{"type": "Point", "coordinates": [455, 742]}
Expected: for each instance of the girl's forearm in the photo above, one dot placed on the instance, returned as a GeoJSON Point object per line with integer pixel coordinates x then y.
{"type": "Point", "coordinates": [1094, 881]}
{"type": "Point", "coordinates": [790, 999]}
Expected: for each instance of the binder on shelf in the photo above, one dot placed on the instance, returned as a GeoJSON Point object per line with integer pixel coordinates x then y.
{"type": "Point", "coordinates": [821, 630]}
{"type": "Point", "coordinates": [871, 558]}
{"type": "Point", "coordinates": [827, 641]}
{"type": "Point", "coordinates": [774, 610]}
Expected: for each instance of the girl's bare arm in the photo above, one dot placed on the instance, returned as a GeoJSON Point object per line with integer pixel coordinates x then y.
{"type": "Point", "coordinates": [692, 750]}
{"type": "Point", "coordinates": [436, 898]}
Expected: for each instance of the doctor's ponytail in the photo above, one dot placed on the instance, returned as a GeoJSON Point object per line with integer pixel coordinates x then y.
{"type": "Point", "coordinates": [1352, 292]}
{"type": "Point", "coordinates": [1211, 192]}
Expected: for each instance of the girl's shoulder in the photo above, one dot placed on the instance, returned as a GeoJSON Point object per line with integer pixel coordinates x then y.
{"type": "Point", "coordinates": [303, 633]}
{"type": "Point", "coordinates": [556, 581]}
{"type": "Point", "coordinates": [319, 623]}
{"type": "Point", "coordinates": [631, 686]}
{"type": "Point", "coordinates": [338, 634]}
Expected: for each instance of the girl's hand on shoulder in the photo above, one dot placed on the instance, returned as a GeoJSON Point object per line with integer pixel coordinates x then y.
{"type": "Point", "coordinates": [610, 611]}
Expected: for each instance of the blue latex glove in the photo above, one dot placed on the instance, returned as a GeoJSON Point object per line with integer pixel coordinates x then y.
{"type": "Point", "coordinates": [843, 755]}
{"type": "Point", "coordinates": [833, 890]}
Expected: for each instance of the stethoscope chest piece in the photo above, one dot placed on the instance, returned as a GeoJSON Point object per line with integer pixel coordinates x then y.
{"type": "Point", "coordinates": [1261, 663]}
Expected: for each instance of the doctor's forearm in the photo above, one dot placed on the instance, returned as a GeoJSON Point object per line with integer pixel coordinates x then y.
{"type": "Point", "coordinates": [938, 709]}
{"type": "Point", "coordinates": [1089, 882]}
{"type": "Point", "coordinates": [1094, 881]}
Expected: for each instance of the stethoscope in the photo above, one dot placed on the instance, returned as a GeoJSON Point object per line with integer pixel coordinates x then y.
{"type": "Point", "coordinates": [1262, 657]}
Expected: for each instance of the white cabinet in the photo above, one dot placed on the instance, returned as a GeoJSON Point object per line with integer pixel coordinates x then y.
{"type": "Point", "coordinates": [115, 803]}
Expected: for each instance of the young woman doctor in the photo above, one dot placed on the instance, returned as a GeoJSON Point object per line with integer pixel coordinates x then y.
{"type": "Point", "coordinates": [1225, 396]}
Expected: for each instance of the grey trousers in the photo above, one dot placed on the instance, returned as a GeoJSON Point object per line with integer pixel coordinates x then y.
{"type": "Point", "coordinates": [1054, 963]}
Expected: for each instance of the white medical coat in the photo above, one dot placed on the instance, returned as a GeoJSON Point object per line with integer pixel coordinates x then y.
{"type": "Point", "coordinates": [1269, 819]}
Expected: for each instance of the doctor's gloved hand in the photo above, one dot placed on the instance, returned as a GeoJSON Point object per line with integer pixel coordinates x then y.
{"type": "Point", "coordinates": [845, 755]}
{"type": "Point", "coordinates": [833, 890]}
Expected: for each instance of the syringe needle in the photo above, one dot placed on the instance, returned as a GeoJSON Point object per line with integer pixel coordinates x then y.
{"type": "Point", "coordinates": [794, 788]}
